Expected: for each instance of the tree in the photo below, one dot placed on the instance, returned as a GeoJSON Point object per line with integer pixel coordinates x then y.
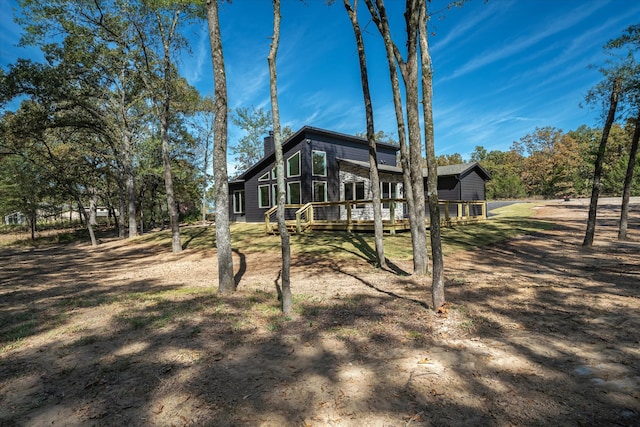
{"type": "Point", "coordinates": [374, 178]}
{"type": "Point", "coordinates": [613, 83]}
{"type": "Point", "coordinates": [449, 159]}
{"type": "Point", "coordinates": [250, 148]}
{"type": "Point", "coordinates": [286, 297]}
{"type": "Point", "coordinates": [437, 274]}
{"type": "Point", "coordinates": [226, 281]}
{"type": "Point", "coordinates": [631, 40]}
{"type": "Point", "coordinates": [411, 158]}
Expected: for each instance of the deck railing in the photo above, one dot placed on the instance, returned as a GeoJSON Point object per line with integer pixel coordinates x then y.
{"type": "Point", "coordinates": [305, 215]}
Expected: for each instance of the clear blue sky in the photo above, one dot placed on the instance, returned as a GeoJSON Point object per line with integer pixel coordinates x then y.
{"type": "Point", "coordinates": [501, 68]}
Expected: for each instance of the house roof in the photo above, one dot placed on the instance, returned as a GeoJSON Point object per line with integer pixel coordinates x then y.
{"type": "Point", "coordinates": [449, 170]}
{"type": "Point", "coordinates": [305, 132]}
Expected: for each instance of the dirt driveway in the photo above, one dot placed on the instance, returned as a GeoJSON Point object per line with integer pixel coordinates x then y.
{"type": "Point", "coordinates": [540, 331]}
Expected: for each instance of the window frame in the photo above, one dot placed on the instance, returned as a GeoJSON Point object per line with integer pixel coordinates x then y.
{"type": "Point", "coordinates": [299, 183]}
{"type": "Point", "coordinates": [324, 155]}
{"type": "Point", "coordinates": [261, 204]}
{"type": "Point", "coordinates": [241, 195]}
{"type": "Point", "coordinates": [289, 175]}
{"type": "Point", "coordinates": [265, 177]}
{"type": "Point", "coordinates": [313, 191]}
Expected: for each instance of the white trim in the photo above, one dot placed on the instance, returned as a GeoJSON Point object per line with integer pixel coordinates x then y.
{"type": "Point", "coordinates": [313, 152]}
{"type": "Point", "coordinates": [237, 193]}
{"type": "Point", "coordinates": [313, 190]}
{"type": "Point", "coordinates": [289, 202]}
{"type": "Point", "coordinates": [299, 164]}
{"type": "Point", "coordinates": [260, 201]}
{"type": "Point", "coordinates": [264, 177]}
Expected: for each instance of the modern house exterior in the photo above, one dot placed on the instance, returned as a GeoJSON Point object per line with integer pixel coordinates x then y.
{"type": "Point", "coordinates": [326, 166]}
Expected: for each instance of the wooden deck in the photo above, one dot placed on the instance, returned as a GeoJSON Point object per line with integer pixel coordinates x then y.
{"type": "Point", "coordinates": [306, 217]}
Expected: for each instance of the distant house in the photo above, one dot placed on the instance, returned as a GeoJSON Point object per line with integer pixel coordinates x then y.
{"type": "Point", "coordinates": [322, 165]}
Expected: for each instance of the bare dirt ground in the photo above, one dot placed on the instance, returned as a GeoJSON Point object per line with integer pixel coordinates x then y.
{"type": "Point", "coordinates": [540, 331]}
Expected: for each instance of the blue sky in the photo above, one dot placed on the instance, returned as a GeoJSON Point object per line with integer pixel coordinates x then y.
{"type": "Point", "coordinates": [501, 68]}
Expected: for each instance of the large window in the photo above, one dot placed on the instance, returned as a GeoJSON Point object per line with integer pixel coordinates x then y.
{"type": "Point", "coordinates": [319, 163]}
{"type": "Point", "coordinates": [264, 194]}
{"type": "Point", "coordinates": [354, 191]}
{"type": "Point", "coordinates": [319, 191]}
{"type": "Point", "coordinates": [293, 165]}
{"type": "Point", "coordinates": [293, 193]}
{"type": "Point", "coordinates": [389, 191]}
{"type": "Point", "coordinates": [238, 202]}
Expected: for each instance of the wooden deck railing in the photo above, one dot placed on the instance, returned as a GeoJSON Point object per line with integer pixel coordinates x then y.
{"type": "Point", "coordinates": [305, 215]}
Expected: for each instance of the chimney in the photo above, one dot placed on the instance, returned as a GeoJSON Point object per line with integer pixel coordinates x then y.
{"type": "Point", "coordinates": [269, 146]}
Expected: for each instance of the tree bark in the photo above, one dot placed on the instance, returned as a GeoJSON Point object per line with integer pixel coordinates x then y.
{"type": "Point", "coordinates": [628, 180]}
{"type": "Point", "coordinates": [437, 272]}
{"type": "Point", "coordinates": [226, 281]}
{"type": "Point", "coordinates": [597, 174]}
{"type": "Point", "coordinates": [287, 299]}
{"type": "Point", "coordinates": [176, 244]}
{"type": "Point", "coordinates": [371, 138]}
{"type": "Point", "coordinates": [379, 16]}
{"type": "Point", "coordinates": [83, 214]}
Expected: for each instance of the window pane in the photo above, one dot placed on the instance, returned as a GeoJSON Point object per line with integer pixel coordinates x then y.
{"type": "Point", "coordinates": [293, 165]}
{"type": "Point", "coordinates": [238, 202]}
{"type": "Point", "coordinates": [359, 190]}
{"type": "Point", "coordinates": [319, 160]}
{"type": "Point", "coordinates": [293, 193]}
{"type": "Point", "coordinates": [319, 191]}
{"type": "Point", "coordinates": [348, 191]}
{"type": "Point", "coordinates": [263, 196]}
{"type": "Point", "coordinates": [264, 177]}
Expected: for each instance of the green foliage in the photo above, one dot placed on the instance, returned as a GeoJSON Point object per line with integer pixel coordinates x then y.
{"type": "Point", "coordinates": [256, 124]}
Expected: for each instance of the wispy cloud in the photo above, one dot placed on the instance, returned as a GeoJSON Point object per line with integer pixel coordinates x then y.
{"type": "Point", "coordinates": [521, 44]}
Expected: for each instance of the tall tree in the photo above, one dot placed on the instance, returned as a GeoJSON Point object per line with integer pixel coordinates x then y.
{"type": "Point", "coordinates": [613, 83]}
{"type": "Point", "coordinates": [437, 273]}
{"type": "Point", "coordinates": [256, 122]}
{"type": "Point", "coordinates": [285, 276]}
{"type": "Point", "coordinates": [226, 281]}
{"type": "Point", "coordinates": [412, 195]}
{"type": "Point", "coordinates": [374, 178]}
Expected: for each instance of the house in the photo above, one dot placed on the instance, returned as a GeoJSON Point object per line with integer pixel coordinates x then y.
{"type": "Point", "coordinates": [326, 166]}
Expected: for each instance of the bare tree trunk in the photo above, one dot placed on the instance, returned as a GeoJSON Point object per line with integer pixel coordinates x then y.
{"type": "Point", "coordinates": [437, 273]}
{"type": "Point", "coordinates": [373, 154]}
{"type": "Point", "coordinates": [93, 206]}
{"type": "Point", "coordinates": [410, 76]}
{"type": "Point", "coordinates": [379, 17]}
{"type": "Point", "coordinates": [595, 191]}
{"type": "Point", "coordinates": [176, 244]}
{"type": "Point", "coordinates": [226, 281]}
{"type": "Point", "coordinates": [83, 214]}
{"type": "Point", "coordinates": [130, 186]}
{"type": "Point", "coordinates": [628, 180]}
{"type": "Point", "coordinates": [287, 299]}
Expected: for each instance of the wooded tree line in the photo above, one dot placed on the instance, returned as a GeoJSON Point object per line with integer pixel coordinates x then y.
{"type": "Point", "coordinates": [550, 163]}
{"type": "Point", "coordinates": [108, 120]}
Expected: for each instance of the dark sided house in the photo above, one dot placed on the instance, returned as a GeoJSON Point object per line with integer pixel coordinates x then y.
{"type": "Point", "coordinates": [322, 165]}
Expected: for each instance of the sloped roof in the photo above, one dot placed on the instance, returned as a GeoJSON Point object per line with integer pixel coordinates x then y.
{"type": "Point", "coordinates": [449, 170]}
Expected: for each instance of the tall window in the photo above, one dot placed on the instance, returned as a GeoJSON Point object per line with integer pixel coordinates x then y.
{"type": "Point", "coordinates": [319, 163]}
{"type": "Point", "coordinates": [263, 196]}
{"type": "Point", "coordinates": [293, 193]}
{"type": "Point", "coordinates": [319, 191]}
{"type": "Point", "coordinates": [293, 165]}
{"type": "Point", "coordinates": [389, 191]}
{"type": "Point", "coordinates": [238, 202]}
{"type": "Point", "coordinates": [274, 189]}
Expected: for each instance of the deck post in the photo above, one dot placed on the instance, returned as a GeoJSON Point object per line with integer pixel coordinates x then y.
{"type": "Point", "coordinates": [447, 214]}
{"type": "Point", "coordinates": [392, 216]}
{"type": "Point", "coordinates": [349, 219]}
{"type": "Point", "coordinates": [484, 210]}
{"type": "Point", "coordinates": [467, 210]}
{"type": "Point", "coordinates": [460, 215]}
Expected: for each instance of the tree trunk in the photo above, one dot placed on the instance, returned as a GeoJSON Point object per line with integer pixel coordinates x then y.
{"type": "Point", "coordinates": [410, 76]}
{"type": "Point", "coordinates": [379, 17]}
{"type": "Point", "coordinates": [121, 208]}
{"type": "Point", "coordinates": [437, 273]}
{"type": "Point", "coordinates": [287, 299]}
{"type": "Point", "coordinates": [226, 282]}
{"type": "Point", "coordinates": [595, 191]}
{"type": "Point", "coordinates": [176, 244]}
{"type": "Point", "coordinates": [628, 180]}
{"type": "Point", "coordinates": [373, 154]}
{"type": "Point", "coordinates": [93, 206]}
{"type": "Point", "coordinates": [83, 214]}
{"type": "Point", "coordinates": [130, 186]}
